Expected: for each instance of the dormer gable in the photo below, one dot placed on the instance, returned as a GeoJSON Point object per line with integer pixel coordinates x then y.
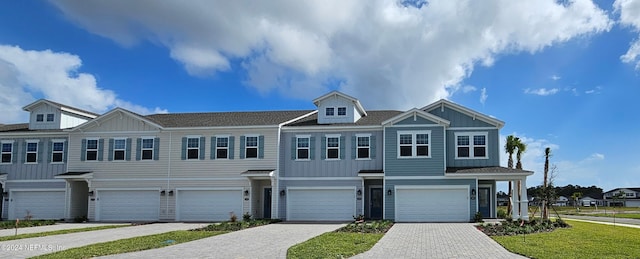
{"type": "Point", "coordinates": [416, 116]}
{"type": "Point", "coordinates": [46, 114]}
{"type": "Point", "coordinates": [336, 107]}
{"type": "Point", "coordinates": [119, 119]}
{"type": "Point", "coordinates": [461, 116]}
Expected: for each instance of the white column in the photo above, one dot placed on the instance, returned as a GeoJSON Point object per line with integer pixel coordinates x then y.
{"type": "Point", "coordinates": [524, 203]}
{"type": "Point", "coordinates": [515, 214]}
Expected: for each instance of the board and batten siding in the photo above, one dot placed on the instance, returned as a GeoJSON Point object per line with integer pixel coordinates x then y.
{"type": "Point", "coordinates": [458, 119]}
{"type": "Point", "coordinates": [316, 166]}
{"type": "Point", "coordinates": [493, 150]}
{"type": "Point", "coordinates": [43, 168]}
{"type": "Point", "coordinates": [432, 166]}
{"type": "Point", "coordinates": [389, 200]}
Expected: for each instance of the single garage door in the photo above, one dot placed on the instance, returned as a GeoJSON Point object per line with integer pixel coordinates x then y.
{"type": "Point", "coordinates": [128, 205]}
{"type": "Point", "coordinates": [39, 204]}
{"type": "Point", "coordinates": [209, 205]}
{"type": "Point", "coordinates": [423, 204]}
{"type": "Point", "coordinates": [321, 204]}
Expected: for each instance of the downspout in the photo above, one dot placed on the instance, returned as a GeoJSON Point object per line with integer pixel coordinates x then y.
{"type": "Point", "coordinates": [169, 173]}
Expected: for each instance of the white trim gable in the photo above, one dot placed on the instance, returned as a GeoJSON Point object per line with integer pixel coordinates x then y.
{"type": "Point", "coordinates": [355, 101]}
{"type": "Point", "coordinates": [37, 103]}
{"type": "Point", "coordinates": [115, 112]}
{"type": "Point", "coordinates": [416, 112]}
{"type": "Point", "coordinates": [459, 108]}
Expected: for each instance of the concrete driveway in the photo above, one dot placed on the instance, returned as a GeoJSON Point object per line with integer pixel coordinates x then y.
{"type": "Point", "coordinates": [271, 241]}
{"type": "Point", "coordinates": [436, 240]}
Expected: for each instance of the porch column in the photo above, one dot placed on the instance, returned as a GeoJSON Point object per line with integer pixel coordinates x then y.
{"type": "Point", "coordinates": [524, 202]}
{"type": "Point", "coordinates": [515, 214]}
{"type": "Point", "coordinates": [274, 196]}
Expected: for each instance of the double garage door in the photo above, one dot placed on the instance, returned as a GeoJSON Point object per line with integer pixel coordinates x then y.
{"type": "Point", "coordinates": [38, 204]}
{"type": "Point", "coordinates": [429, 204]}
{"type": "Point", "coordinates": [208, 205]}
{"type": "Point", "coordinates": [321, 204]}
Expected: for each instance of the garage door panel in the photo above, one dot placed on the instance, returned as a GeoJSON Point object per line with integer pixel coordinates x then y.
{"type": "Point", "coordinates": [209, 205]}
{"type": "Point", "coordinates": [40, 204]}
{"type": "Point", "coordinates": [321, 204]}
{"type": "Point", "coordinates": [432, 205]}
{"type": "Point", "coordinates": [128, 205]}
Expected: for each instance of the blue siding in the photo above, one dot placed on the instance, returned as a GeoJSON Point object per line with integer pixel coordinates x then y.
{"type": "Point", "coordinates": [390, 199]}
{"type": "Point", "coordinates": [493, 150]}
{"type": "Point", "coordinates": [41, 170]}
{"type": "Point", "coordinates": [418, 121]}
{"type": "Point", "coordinates": [433, 166]}
{"type": "Point", "coordinates": [458, 119]}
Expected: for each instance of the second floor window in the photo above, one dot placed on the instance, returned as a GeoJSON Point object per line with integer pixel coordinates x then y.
{"type": "Point", "coordinates": [32, 152]}
{"type": "Point", "coordinates": [471, 145]}
{"type": "Point", "coordinates": [414, 144]}
{"type": "Point", "coordinates": [92, 150]}
{"type": "Point", "coordinates": [119, 149]}
{"type": "Point", "coordinates": [251, 147]}
{"type": "Point", "coordinates": [333, 147]}
{"type": "Point", "coordinates": [193, 148]}
{"type": "Point", "coordinates": [147, 148]}
{"type": "Point", "coordinates": [50, 117]}
{"type": "Point", "coordinates": [39, 117]}
{"type": "Point", "coordinates": [57, 152]}
{"type": "Point", "coordinates": [302, 148]}
{"type": "Point", "coordinates": [222, 147]}
{"type": "Point", "coordinates": [7, 152]}
{"type": "Point", "coordinates": [342, 111]}
{"type": "Point", "coordinates": [362, 147]}
{"type": "Point", "coordinates": [329, 111]}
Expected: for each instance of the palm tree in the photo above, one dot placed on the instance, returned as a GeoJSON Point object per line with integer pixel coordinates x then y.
{"type": "Point", "coordinates": [510, 148]}
{"type": "Point", "coordinates": [547, 154]}
{"type": "Point", "coordinates": [521, 147]}
{"type": "Point", "coordinates": [576, 196]}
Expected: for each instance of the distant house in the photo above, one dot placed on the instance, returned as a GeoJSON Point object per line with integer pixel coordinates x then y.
{"type": "Point", "coordinates": [561, 201]}
{"type": "Point", "coordinates": [631, 197]}
{"type": "Point", "coordinates": [587, 201]}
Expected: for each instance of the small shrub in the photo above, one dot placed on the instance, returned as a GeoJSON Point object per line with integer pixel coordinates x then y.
{"type": "Point", "coordinates": [80, 219]}
{"type": "Point", "coordinates": [378, 226]}
{"type": "Point", "coordinates": [233, 217]}
{"type": "Point", "coordinates": [510, 228]}
{"type": "Point", "coordinates": [238, 225]}
{"type": "Point", "coordinates": [502, 214]}
{"type": "Point", "coordinates": [246, 217]}
{"type": "Point", "coordinates": [360, 217]}
{"type": "Point", "coordinates": [478, 217]}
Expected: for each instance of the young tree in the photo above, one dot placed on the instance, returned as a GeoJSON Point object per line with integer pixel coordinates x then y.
{"type": "Point", "coordinates": [547, 154]}
{"type": "Point", "coordinates": [576, 196]}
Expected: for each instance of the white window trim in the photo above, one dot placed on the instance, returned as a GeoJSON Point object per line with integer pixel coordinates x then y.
{"type": "Point", "coordinates": [53, 151]}
{"type": "Point", "coordinates": [368, 135]}
{"type": "Point", "coordinates": [330, 107]}
{"type": "Point", "coordinates": [197, 148]}
{"type": "Point", "coordinates": [86, 157]}
{"type": "Point", "coordinates": [471, 145]}
{"type": "Point", "coordinates": [414, 144]}
{"type": "Point", "coordinates": [308, 148]}
{"type": "Point", "coordinates": [335, 111]}
{"type": "Point", "coordinates": [43, 118]}
{"type": "Point", "coordinates": [142, 148]}
{"type": "Point", "coordinates": [124, 158]}
{"type": "Point", "coordinates": [326, 146]}
{"type": "Point", "coordinates": [227, 148]}
{"type": "Point", "coordinates": [257, 147]}
{"type": "Point", "coordinates": [27, 142]}
{"type": "Point", "coordinates": [10, 152]}
{"type": "Point", "coordinates": [346, 112]}
{"type": "Point", "coordinates": [46, 117]}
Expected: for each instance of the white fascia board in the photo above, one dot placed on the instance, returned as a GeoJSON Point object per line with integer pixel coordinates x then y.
{"type": "Point", "coordinates": [109, 113]}
{"type": "Point", "coordinates": [417, 112]}
{"type": "Point", "coordinates": [330, 128]}
{"type": "Point", "coordinates": [298, 118]}
{"type": "Point", "coordinates": [350, 98]}
{"type": "Point", "coordinates": [464, 110]}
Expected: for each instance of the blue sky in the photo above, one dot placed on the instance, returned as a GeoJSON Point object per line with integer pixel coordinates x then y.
{"type": "Point", "coordinates": [564, 74]}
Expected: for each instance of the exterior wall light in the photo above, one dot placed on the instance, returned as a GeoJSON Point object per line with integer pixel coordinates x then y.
{"type": "Point", "coordinates": [473, 193]}
{"type": "Point", "coordinates": [359, 192]}
{"type": "Point", "coordinates": [91, 193]}
{"type": "Point", "coordinates": [163, 193]}
{"type": "Point", "coordinates": [283, 193]}
{"type": "Point", "coordinates": [389, 192]}
{"type": "Point", "coordinates": [246, 192]}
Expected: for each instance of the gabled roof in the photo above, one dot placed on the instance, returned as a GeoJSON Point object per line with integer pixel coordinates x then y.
{"type": "Point", "coordinates": [635, 189]}
{"type": "Point", "coordinates": [114, 111]}
{"type": "Point", "coordinates": [416, 112]}
{"type": "Point", "coordinates": [336, 93]}
{"type": "Point", "coordinates": [445, 103]}
{"type": "Point", "coordinates": [373, 118]}
{"type": "Point", "coordinates": [14, 127]}
{"type": "Point", "coordinates": [62, 107]}
{"type": "Point", "coordinates": [217, 119]}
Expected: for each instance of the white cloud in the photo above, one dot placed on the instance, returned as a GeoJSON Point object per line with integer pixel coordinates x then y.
{"type": "Point", "coordinates": [630, 15]}
{"type": "Point", "coordinates": [555, 77]}
{"type": "Point", "coordinates": [483, 95]}
{"type": "Point", "coordinates": [541, 91]}
{"type": "Point", "coordinates": [373, 49]}
{"type": "Point", "coordinates": [596, 90]}
{"type": "Point", "coordinates": [26, 75]}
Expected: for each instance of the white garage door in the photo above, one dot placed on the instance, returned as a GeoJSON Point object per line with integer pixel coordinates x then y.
{"type": "Point", "coordinates": [321, 204]}
{"type": "Point", "coordinates": [209, 205]}
{"type": "Point", "coordinates": [39, 204]}
{"type": "Point", "coordinates": [431, 205]}
{"type": "Point", "coordinates": [128, 205]}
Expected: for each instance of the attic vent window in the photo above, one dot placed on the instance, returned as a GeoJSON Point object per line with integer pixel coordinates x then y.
{"type": "Point", "coordinates": [50, 117]}
{"type": "Point", "coordinates": [39, 117]}
{"type": "Point", "coordinates": [342, 111]}
{"type": "Point", "coordinates": [329, 111]}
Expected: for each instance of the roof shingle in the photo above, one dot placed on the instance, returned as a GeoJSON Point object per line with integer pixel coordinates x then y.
{"type": "Point", "coordinates": [214, 119]}
{"type": "Point", "coordinates": [372, 118]}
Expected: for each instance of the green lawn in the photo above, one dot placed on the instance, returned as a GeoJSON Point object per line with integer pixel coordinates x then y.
{"type": "Point", "coordinates": [59, 232]}
{"type": "Point", "coordinates": [335, 245]}
{"type": "Point", "coordinates": [583, 240]}
{"type": "Point", "coordinates": [132, 244]}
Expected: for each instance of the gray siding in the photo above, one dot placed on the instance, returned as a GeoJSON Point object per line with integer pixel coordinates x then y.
{"type": "Point", "coordinates": [433, 166]}
{"type": "Point", "coordinates": [389, 201]}
{"type": "Point", "coordinates": [43, 169]}
{"type": "Point", "coordinates": [458, 119]}
{"type": "Point", "coordinates": [493, 150]}
{"type": "Point", "coordinates": [318, 167]}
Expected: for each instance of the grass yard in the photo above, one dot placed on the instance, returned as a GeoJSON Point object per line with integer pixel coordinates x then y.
{"type": "Point", "coordinates": [334, 245]}
{"type": "Point", "coordinates": [9, 224]}
{"type": "Point", "coordinates": [583, 240]}
{"type": "Point", "coordinates": [59, 232]}
{"type": "Point", "coordinates": [132, 244]}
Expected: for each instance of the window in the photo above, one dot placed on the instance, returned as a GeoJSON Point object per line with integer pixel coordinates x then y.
{"type": "Point", "coordinates": [222, 147]}
{"type": "Point", "coordinates": [32, 152]}
{"type": "Point", "coordinates": [92, 150]}
{"type": "Point", "coordinates": [342, 111]}
{"type": "Point", "coordinates": [193, 148]}
{"type": "Point", "coordinates": [7, 152]}
{"type": "Point", "coordinates": [147, 148]}
{"type": "Point", "coordinates": [50, 117]}
{"type": "Point", "coordinates": [251, 147]}
{"type": "Point", "coordinates": [629, 194]}
{"type": "Point", "coordinates": [302, 148]}
{"type": "Point", "coordinates": [39, 117]}
{"type": "Point", "coordinates": [471, 145]}
{"type": "Point", "coordinates": [329, 111]}
{"type": "Point", "coordinates": [57, 151]}
{"type": "Point", "coordinates": [362, 147]}
{"type": "Point", "coordinates": [333, 147]}
{"type": "Point", "coordinates": [414, 144]}
{"type": "Point", "coordinates": [119, 149]}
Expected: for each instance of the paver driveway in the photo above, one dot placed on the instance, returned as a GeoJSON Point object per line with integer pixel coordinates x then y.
{"type": "Point", "coordinates": [436, 240]}
{"type": "Point", "coordinates": [271, 241]}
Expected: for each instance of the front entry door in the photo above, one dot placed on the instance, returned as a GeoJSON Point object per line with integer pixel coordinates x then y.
{"type": "Point", "coordinates": [267, 203]}
{"type": "Point", "coordinates": [484, 202]}
{"type": "Point", "coordinates": [375, 203]}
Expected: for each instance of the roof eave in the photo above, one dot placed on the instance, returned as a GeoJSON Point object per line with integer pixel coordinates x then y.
{"type": "Point", "coordinates": [498, 123]}
{"type": "Point", "coordinates": [416, 111]}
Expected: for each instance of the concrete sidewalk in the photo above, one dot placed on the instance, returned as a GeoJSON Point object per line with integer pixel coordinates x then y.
{"type": "Point", "coordinates": [29, 247]}
{"type": "Point", "coordinates": [436, 240]}
{"type": "Point", "coordinates": [604, 219]}
{"type": "Point", "coordinates": [270, 241]}
{"type": "Point", "coordinates": [56, 227]}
